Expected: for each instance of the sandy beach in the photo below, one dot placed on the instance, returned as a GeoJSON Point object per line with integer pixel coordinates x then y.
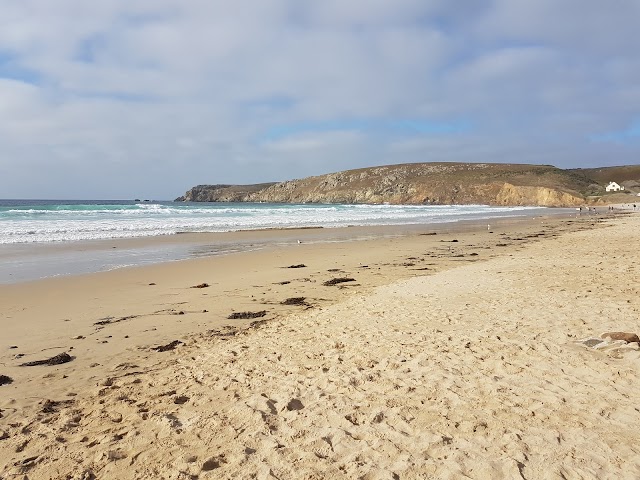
{"type": "Point", "coordinates": [435, 354]}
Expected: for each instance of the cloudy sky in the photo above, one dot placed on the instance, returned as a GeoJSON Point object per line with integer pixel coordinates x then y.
{"type": "Point", "coordinates": [146, 98]}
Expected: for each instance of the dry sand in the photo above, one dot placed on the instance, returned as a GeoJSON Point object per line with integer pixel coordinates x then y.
{"type": "Point", "coordinates": [442, 359]}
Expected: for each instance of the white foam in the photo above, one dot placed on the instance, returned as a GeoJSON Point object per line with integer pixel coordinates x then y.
{"type": "Point", "coordinates": [70, 224]}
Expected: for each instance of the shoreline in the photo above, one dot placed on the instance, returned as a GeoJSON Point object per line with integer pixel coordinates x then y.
{"type": "Point", "coordinates": [47, 315]}
{"type": "Point", "coordinates": [111, 321]}
{"type": "Point", "coordinates": [32, 262]}
{"type": "Point", "coordinates": [64, 223]}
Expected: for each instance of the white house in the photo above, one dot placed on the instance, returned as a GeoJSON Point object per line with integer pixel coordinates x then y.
{"type": "Point", "coordinates": [613, 187]}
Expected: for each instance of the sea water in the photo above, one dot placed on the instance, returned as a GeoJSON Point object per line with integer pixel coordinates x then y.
{"type": "Point", "coordinates": [31, 221]}
{"type": "Point", "coordinates": [44, 238]}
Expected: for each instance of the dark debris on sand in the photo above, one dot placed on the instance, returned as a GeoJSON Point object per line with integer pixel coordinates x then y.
{"type": "Point", "coordinates": [167, 347]}
{"type": "Point", "coordinates": [110, 320]}
{"type": "Point", "coordinates": [336, 281]}
{"type": "Point", "coordinates": [201, 285]}
{"type": "Point", "coordinates": [57, 360]}
{"type": "Point", "coordinates": [4, 380]}
{"type": "Point", "coordinates": [245, 315]}
{"type": "Point", "coordinates": [295, 301]}
{"type": "Point", "coordinates": [300, 265]}
{"type": "Point", "coordinates": [51, 406]}
{"type": "Point", "coordinates": [227, 332]}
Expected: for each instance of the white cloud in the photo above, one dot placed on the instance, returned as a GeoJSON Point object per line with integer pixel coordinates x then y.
{"type": "Point", "coordinates": [119, 98]}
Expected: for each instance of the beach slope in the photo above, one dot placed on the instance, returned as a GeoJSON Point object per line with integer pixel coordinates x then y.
{"type": "Point", "coordinates": [478, 371]}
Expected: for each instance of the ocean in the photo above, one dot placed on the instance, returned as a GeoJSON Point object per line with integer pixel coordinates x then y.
{"type": "Point", "coordinates": [43, 238]}
{"type": "Point", "coordinates": [38, 221]}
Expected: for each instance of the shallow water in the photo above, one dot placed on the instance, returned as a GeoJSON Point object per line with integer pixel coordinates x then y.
{"type": "Point", "coordinates": [36, 221]}
{"type": "Point", "coordinates": [45, 238]}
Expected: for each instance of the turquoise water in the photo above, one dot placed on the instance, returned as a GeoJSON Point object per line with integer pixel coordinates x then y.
{"type": "Point", "coordinates": [47, 238]}
{"type": "Point", "coordinates": [44, 221]}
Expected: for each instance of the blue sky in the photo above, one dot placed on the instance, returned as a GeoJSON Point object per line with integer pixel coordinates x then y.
{"type": "Point", "coordinates": [122, 99]}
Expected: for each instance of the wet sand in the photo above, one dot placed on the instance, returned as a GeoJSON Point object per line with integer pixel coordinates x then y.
{"type": "Point", "coordinates": [435, 356]}
{"type": "Point", "coordinates": [28, 262]}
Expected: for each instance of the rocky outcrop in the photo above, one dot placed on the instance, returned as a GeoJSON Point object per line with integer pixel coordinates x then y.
{"type": "Point", "coordinates": [541, 196]}
{"type": "Point", "coordinates": [422, 183]}
{"type": "Point", "coordinates": [221, 193]}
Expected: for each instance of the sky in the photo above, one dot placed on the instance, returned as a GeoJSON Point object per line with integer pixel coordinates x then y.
{"type": "Point", "coordinates": [117, 99]}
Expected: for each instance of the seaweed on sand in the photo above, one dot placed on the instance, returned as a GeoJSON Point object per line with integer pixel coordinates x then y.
{"type": "Point", "coordinates": [57, 360]}
{"type": "Point", "coordinates": [245, 315]}
{"type": "Point", "coordinates": [335, 281]}
{"type": "Point", "coordinates": [294, 301]}
{"type": "Point", "coordinates": [167, 347]}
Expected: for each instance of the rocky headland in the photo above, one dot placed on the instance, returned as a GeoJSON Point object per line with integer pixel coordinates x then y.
{"type": "Point", "coordinates": [431, 183]}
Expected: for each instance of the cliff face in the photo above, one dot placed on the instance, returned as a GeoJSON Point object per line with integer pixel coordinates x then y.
{"type": "Point", "coordinates": [426, 183]}
{"type": "Point", "coordinates": [540, 196]}
{"type": "Point", "coordinates": [438, 184]}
